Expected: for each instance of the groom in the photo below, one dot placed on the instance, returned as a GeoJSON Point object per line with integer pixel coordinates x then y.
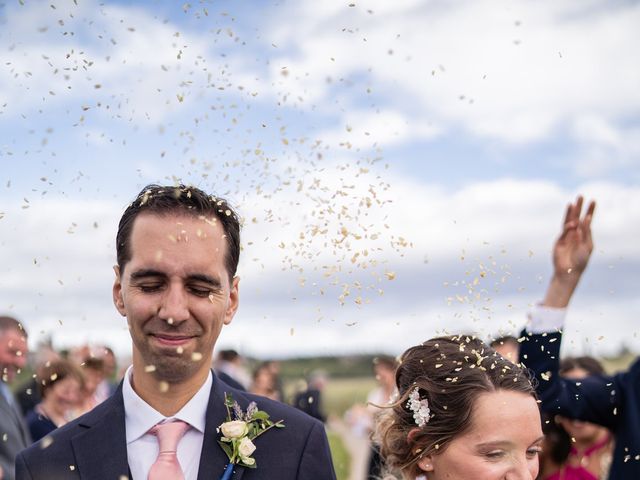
{"type": "Point", "coordinates": [177, 254]}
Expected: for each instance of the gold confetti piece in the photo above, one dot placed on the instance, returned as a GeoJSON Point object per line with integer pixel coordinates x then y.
{"type": "Point", "coordinates": [150, 368]}
{"type": "Point", "coordinates": [390, 275]}
{"type": "Point", "coordinates": [196, 356]}
{"type": "Point", "coordinates": [179, 350]}
{"type": "Point", "coordinates": [163, 386]}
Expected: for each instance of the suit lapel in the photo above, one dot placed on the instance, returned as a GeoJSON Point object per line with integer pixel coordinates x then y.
{"type": "Point", "coordinates": [213, 460]}
{"type": "Point", "coordinates": [101, 450]}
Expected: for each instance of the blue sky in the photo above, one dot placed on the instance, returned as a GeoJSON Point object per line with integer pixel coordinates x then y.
{"type": "Point", "coordinates": [383, 154]}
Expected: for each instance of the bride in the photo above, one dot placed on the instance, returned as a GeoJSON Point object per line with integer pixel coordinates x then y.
{"type": "Point", "coordinates": [462, 412]}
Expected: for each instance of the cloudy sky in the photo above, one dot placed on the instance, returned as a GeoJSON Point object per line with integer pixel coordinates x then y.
{"type": "Point", "coordinates": [402, 167]}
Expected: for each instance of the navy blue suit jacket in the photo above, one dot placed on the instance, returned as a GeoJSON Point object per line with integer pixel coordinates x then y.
{"type": "Point", "coordinates": [93, 447]}
{"type": "Point", "coordinates": [611, 401]}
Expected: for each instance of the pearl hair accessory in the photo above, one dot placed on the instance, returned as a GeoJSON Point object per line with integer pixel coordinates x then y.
{"type": "Point", "coordinates": [420, 408]}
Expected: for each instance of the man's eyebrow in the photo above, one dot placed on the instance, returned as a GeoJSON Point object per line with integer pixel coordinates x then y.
{"type": "Point", "coordinates": [148, 272]}
{"type": "Point", "coordinates": [201, 277]}
{"type": "Point", "coordinates": [198, 277]}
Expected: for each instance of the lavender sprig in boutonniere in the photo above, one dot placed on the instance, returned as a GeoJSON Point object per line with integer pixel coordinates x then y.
{"type": "Point", "coordinates": [239, 432]}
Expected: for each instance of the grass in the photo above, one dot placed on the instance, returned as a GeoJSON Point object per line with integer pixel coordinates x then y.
{"type": "Point", "coordinates": [341, 394]}
{"type": "Point", "coordinates": [341, 457]}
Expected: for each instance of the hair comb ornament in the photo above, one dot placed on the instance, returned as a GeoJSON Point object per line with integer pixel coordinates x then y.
{"type": "Point", "coordinates": [420, 408]}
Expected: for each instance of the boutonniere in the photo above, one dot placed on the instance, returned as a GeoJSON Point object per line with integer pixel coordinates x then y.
{"type": "Point", "coordinates": [239, 432]}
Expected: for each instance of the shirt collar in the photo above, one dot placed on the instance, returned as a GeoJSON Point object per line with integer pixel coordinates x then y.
{"type": "Point", "coordinates": [140, 416]}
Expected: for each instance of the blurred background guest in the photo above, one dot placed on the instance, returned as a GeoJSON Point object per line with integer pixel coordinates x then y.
{"type": "Point", "coordinates": [230, 368]}
{"type": "Point", "coordinates": [576, 450]}
{"type": "Point", "coordinates": [28, 395]}
{"type": "Point", "coordinates": [263, 382]}
{"type": "Point", "coordinates": [14, 434]}
{"type": "Point", "coordinates": [109, 381]}
{"type": "Point", "coordinates": [310, 399]}
{"type": "Point", "coordinates": [61, 385]}
{"type": "Point", "coordinates": [507, 346]}
{"type": "Point", "coordinates": [384, 368]}
{"type": "Point", "coordinates": [274, 367]}
{"type": "Point", "coordinates": [93, 373]}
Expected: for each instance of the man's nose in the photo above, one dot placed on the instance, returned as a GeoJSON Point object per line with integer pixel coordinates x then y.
{"type": "Point", "coordinates": [174, 308]}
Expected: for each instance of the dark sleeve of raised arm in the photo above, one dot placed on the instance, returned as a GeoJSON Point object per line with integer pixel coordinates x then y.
{"type": "Point", "coordinates": [594, 399]}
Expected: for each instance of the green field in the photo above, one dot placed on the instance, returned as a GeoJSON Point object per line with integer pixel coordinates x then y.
{"type": "Point", "coordinates": [341, 457]}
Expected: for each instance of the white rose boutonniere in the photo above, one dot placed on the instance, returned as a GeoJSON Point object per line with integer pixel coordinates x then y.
{"type": "Point", "coordinates": [238, 434]}
{"type": "Point", "coordinates": [234, 429]}
{"type": "Point", "coordinates": [245, 449]}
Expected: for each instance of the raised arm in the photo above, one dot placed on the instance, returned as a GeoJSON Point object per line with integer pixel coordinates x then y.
{"type": "Point", "coordinates": [571, 254]}
{"type": "Point", "coordinates": [594, 399]}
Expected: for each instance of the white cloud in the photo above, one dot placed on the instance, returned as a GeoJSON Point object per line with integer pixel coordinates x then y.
{"type": "Point", "coordinates": [121, 62]}
{"type": "Point", "coordinates": [362, 129]}
{"type": "Point", "coordinates": [520, 73]}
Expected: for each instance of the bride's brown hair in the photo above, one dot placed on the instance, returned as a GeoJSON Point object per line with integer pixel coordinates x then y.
{"type": "Point", "coordinates": [450, 373]}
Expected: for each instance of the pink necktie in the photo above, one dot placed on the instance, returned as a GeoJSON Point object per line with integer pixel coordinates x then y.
{"type": "Point", "coordinates": [166, 466]}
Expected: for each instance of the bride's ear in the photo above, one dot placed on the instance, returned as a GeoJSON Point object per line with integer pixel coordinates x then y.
{"type": "Point", "coordinates": [425, 462]}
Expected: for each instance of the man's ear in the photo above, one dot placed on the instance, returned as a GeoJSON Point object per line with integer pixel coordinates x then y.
{"type": "Point", "coordinates": [118, 300]}
{"type": "Point", "coordinates": [234, 300]}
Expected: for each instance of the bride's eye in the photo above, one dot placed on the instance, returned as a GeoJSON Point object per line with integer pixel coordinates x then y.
{"type": "Point", "coordinates": [534, 451]}
{"type": "Point", "coordinates": [494, 454]}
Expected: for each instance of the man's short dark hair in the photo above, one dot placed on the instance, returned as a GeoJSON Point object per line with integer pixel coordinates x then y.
{"type": "Point", "coordinates": [10, 323]}
{"type": "Point", "coordinates": [166, 200]}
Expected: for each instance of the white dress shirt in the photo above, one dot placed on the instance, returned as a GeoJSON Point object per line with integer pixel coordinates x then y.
{"type": "Point", "coordinates": [544, 319]}
{"type": "Point", "coordinates": [142, 447]}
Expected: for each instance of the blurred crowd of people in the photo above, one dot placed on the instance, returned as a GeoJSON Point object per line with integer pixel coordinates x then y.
{"type": "Point", "coordinates": [64, 385]}
{"type": "Point", "coordinates": [67, 383]}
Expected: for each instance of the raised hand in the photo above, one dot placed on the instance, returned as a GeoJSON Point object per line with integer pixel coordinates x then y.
{"type": "Point", "coordinates": [573, 248]}
{"type": "Point", "coordinates": [571, 253]}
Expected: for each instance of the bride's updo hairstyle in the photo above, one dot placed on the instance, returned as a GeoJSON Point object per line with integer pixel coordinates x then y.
{"type": "Point", "coordinates": [438, 383]}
